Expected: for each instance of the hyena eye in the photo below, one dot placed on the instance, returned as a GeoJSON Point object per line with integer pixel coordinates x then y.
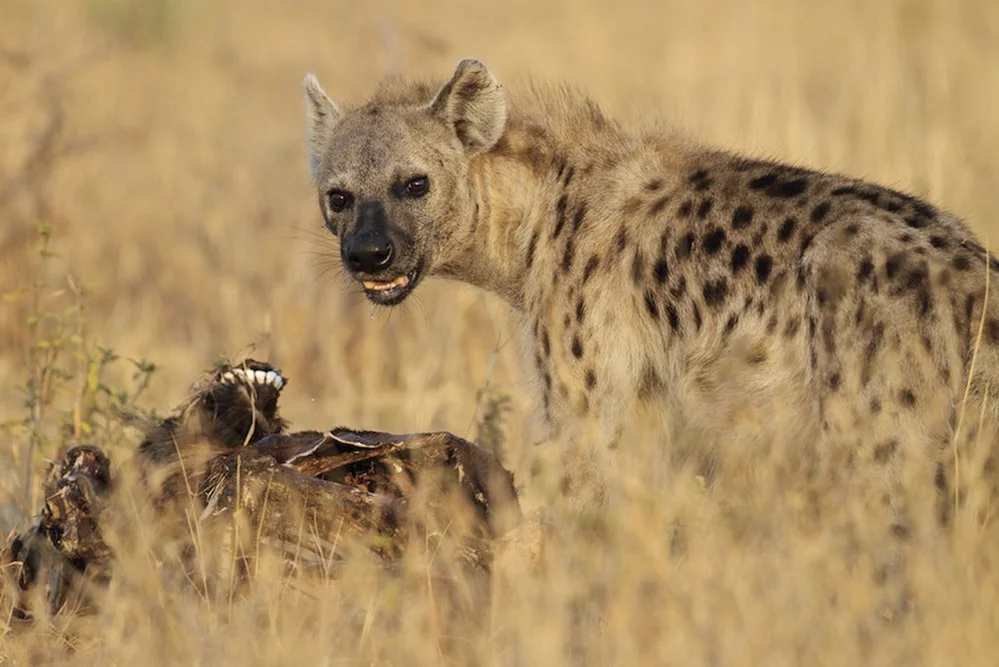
{"type": "Point", "coordinates": [339, 200]}
{"type": "Point", "coordinates": [417, 187]}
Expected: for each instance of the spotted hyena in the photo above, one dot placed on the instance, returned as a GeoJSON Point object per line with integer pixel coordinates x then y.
{"type": "Point", "coordinates": [655, 273]}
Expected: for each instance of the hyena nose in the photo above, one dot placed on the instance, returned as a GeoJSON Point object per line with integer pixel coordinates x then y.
{"type": "Point", "coordinates": [368, 253]}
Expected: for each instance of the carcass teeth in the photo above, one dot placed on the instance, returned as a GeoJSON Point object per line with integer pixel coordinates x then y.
{"type": "Point", "coordinates": [261, 377]}
{"type": "Point", "coordinates": [228, 377]}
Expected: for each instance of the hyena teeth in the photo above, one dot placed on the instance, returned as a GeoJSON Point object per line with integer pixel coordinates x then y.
{"type": "Point", "coordinates": [270, 377]}
{"type": "Point", "coordinates": [379, 286]}
{"type": "Point", "coordinates": [261, 377]}
{"type": "Point", "coordinates": [228, 377]}
{"type": "Point", "coordinates": [278, 381]}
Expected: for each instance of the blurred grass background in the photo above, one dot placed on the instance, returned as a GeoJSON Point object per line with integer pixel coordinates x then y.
{"type": "Point", "coordinates": [162, 140]}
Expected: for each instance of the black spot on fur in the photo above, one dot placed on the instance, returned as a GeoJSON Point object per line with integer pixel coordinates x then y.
{"type": "Point", "coordinates": [661, 270]}
{"type": "Point", "coordinates": [654, 185]}
{"type": "Point", "coordinates": [577, 347]}
{"type": "Point", "coordinates": [742, 217]}
{"type": "Point", "coordinates": [568, 176]}
{"type": "Point", "coordinates": [591, 266]}
{"type": "Point", "coordinates": [697, 317]}
{"type": "Point", "coordinates": [917, 221]}
{"type": "Point", "coordinates": [658, 205]}
{"type": "Point", "coordinates": [715, 292]}
{"type": "Point", "coordinates": [546, 344]}
{"type": "Point", "coordinates": [763, 266]}
{"type": "Point", "coordinates": [786, 230]}
{"type": "Point", "coordinates": [764, 181]}
{"type": "Point", "coordinates": [788, 189]}
{"type": "Point", "coordinates": [883, 452]}
{"type": "Point", "coordinates": [893, 264]}
{"type": "Point", "coordinates": [685, 209]}
{"type": "Point", "coordinates": [577, 220]}
{"type": "Point", "coordinates": [532, 248]}
{"type": "Point", "coordinates": [679, 289]}
{"type": "Point", "coordinates": [704, 209]}
{"type": "Point", "coordinates": [713, 240]}
{"type": "Point", "coordinates": [865, 269]}
{"type": "Point", "coordinates": [852, 229]}
{"type": "Point", "coordinates": [674, 318]}
{"type": "Point", "coordinates": [792, 327]}
{"type": "Point", "coordinates": [877, 196]}
{"type": "Point", "coordinates": [907, 397]}
{"type": "Point", "coordinates": [918, 281]}
{"type": "Point", "coordinates": [740, 257]}
{"type": "Point", "coordinates": [664, 240]}
{"type": "Point", "coordinates": [580, 310]}
{"type": "Point", "coordinates": [819, 212]}
{"type": "Point", "coordinates": [621, 240]}
{"type": "Point", "coordinates": [834, 382]}
{"type": "Point", "coordinates": [939, 242]}
{"type": "Point", "coordinates": [651, 305]}
{"type": "Point", "coordinates": [699, 175]}
{"type": "Point", "coordinates": [591, 379]}
{"type": "Point", "coordinates": [730, 324]}
{"type": "Point", "coordinates": [560, 207]}
{"type": "Point", "coordinates": [567, 256]}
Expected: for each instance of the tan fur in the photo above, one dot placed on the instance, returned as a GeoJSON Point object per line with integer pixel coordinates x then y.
{"type": "Point", "coordinates": [692, 283]}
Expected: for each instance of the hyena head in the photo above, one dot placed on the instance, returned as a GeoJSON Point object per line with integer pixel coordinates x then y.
{"type": "Point", "coordinates": [392, 176]}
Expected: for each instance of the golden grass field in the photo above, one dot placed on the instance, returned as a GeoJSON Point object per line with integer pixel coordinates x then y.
{"type": "Point", "coordinates": [163, 141]}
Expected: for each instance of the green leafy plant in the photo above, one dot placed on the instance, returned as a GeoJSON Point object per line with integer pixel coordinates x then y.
{"type": "Point", "coordinates": [68, 396]}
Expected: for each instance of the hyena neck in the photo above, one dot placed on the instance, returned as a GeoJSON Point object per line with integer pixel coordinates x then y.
{"type": "Point", "coordinates": [492, 254]}
{"type": "Point", "coordinates": [513, 188]}
{"type": "Point", "coordinates": [551, 137]}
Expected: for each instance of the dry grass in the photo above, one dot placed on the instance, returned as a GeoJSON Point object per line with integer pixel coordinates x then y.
{"type": "Point", "coordinates": [163, 140]}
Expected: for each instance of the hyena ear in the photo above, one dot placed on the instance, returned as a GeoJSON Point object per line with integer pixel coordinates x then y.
{"type": "Point", "coordinates": [321, 116]}
{"type": "Point", "coordinates": [474, 104]}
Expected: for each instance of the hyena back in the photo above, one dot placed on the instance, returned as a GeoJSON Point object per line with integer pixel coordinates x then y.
{"type": "Point", "coordinates": [650, 271]}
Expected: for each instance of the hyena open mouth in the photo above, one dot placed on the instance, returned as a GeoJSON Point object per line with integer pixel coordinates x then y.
{"type": "Point", "coordinates": [392, 292]}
